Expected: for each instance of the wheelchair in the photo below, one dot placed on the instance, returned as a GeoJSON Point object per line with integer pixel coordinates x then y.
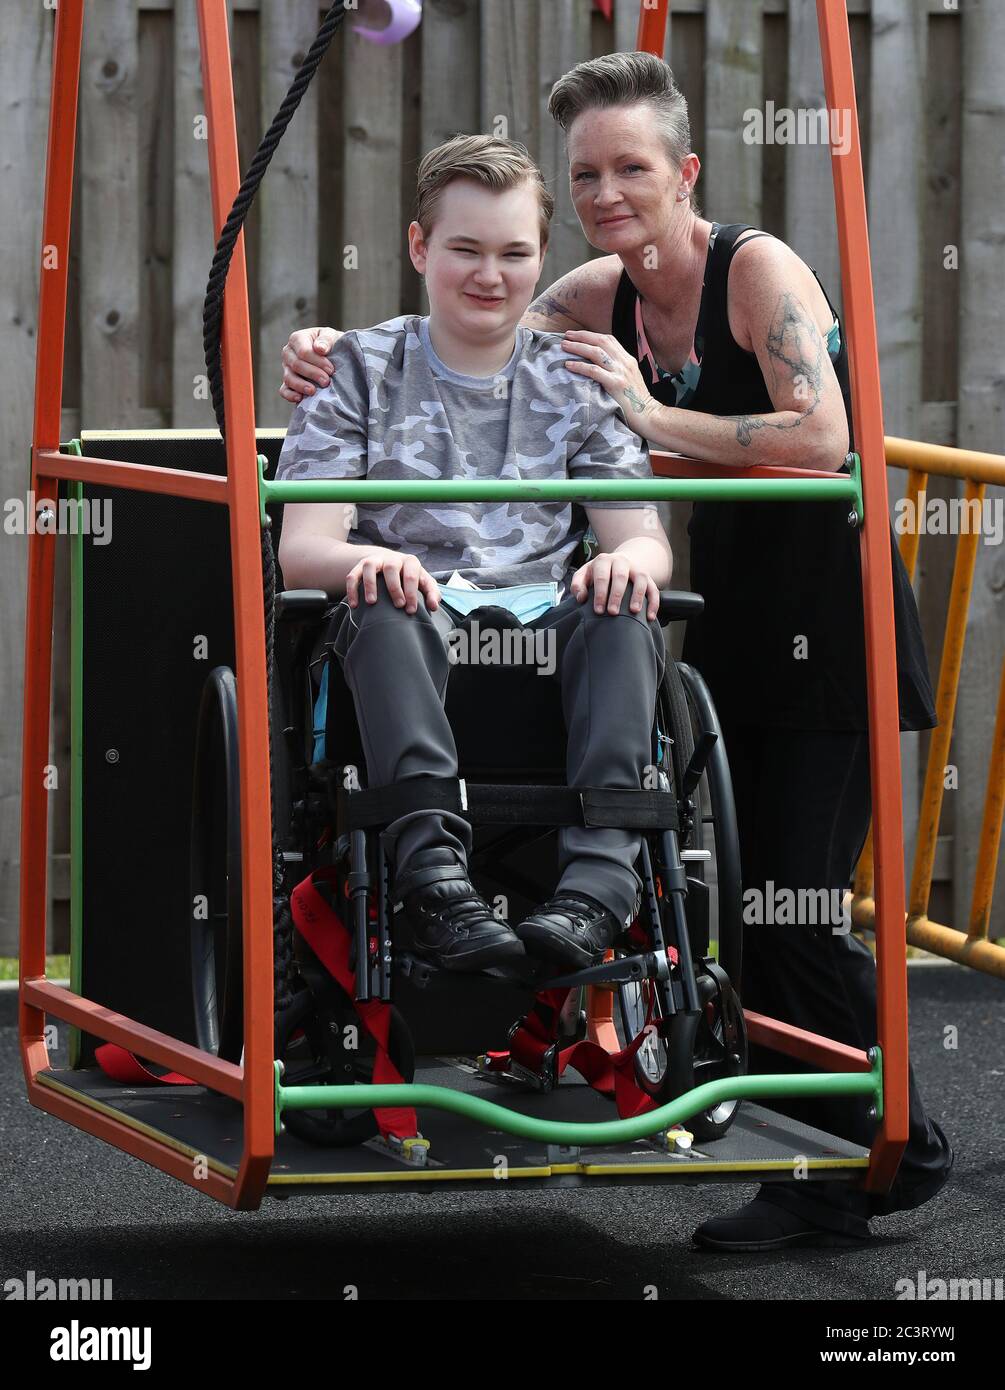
{"type": "Point", "coordinates": [661, 1001]}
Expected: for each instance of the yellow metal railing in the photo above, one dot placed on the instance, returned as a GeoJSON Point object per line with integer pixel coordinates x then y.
{"type": "Point", "coordinates": [971, 947]}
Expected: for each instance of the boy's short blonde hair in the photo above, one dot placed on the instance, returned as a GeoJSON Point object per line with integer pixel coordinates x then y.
{"type": "Point", "coordinates": [487, 159]}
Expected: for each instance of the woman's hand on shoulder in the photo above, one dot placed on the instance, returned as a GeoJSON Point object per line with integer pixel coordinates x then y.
{"type": "Point", "coordinates": [306, 365]}
{"type": "Point", "coordinates": [602, 358]}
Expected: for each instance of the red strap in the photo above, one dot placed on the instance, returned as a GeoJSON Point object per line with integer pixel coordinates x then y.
{"type": "Point", "coordinates": [612, 1074]}
{"type": "Point", "coordinates": [126, 1068]}
{"type": "Point", "coordinates": [538, 1029]}
{"type": "Point", "coordinates": [324, 931]}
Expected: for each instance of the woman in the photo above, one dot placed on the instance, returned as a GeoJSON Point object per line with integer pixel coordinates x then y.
{"type": "Point", "coordinates": [720, 343]}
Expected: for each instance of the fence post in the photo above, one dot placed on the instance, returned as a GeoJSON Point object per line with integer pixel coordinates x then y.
{"type": "Point", "coordinates": [896, 226]}
{"type": "Point", "coordinates": [564, 41]}
{"type": "Point", "coordinates": [981, 426]}
{"type": "Point", "coordinates": [734, 86]}
{"type": "Point", "coordinates": [27, 41]}
{"type": "Point", "coordinates": [372, 222]}
{"type": "Point", "coordinates": [288, 254]}
{"type": "Point", "coordinates": [809, 192]}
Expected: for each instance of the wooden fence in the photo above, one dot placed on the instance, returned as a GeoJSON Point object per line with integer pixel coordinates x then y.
{"type": "Point", "coordinates": [931, 116]}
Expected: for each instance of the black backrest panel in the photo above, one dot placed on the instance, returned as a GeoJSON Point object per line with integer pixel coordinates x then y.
{"type": "Point", "coordinates": [161, 584]}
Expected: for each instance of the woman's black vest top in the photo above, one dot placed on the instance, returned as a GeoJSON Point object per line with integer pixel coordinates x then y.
{"type": "Point", "coordinates": [782, 639]}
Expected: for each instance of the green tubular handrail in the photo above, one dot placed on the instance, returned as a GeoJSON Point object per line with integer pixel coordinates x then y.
{"type": "Point", "coordinates": [575, 1134]}
{"type": "Point", "coordinates": [822, 489]}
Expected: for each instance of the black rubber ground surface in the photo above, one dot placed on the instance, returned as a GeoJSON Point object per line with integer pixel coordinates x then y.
{"type": "Point", "coordinates": [74, 1207]}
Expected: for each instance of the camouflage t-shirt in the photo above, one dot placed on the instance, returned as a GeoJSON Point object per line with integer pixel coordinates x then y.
{"type": "Point", "coordinates": [395, 411]}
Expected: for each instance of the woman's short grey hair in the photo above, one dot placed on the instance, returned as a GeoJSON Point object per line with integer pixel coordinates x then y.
{"type": "Point", "coordinates": [626, 79]}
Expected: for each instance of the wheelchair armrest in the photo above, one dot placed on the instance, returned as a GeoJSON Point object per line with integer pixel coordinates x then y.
{"type": "Point", "coordinates": [302, 605]}
{"type": "Point", "coordinates": [676, 604]}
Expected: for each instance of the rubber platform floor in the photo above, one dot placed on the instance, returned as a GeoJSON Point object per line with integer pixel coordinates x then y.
{"type": "Point", "coordinates": [197, 1121]}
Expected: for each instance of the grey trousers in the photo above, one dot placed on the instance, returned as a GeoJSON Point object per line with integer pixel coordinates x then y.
{"type": "Point", "coordinates": [397, 666]}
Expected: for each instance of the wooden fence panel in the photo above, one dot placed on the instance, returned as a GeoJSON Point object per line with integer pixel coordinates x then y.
{"type": "Point", "coordinates": [733, 87]}
{"type": "Point", "coordinates": [372, 225]}
{"type": "Point", "coordinates": [939, 366]}
{"type": "Point", "coordinates": [156, 168]}
{"type": "Point", "coordinates": [981, 426]}
{"type": "Point", "coordinates": [25, 51]}
{"type": "Point", "coordinates": [896, 226]}
{"type": "Point", "coordinates": [688, 36]}
{"type": "Point", "coordinates": [110, 271]}
{"type": "Point", "coordinates": [941, 146]}
{"type": "Point", "coordinates": [143, 239]}
{"type": "Point", "coordinates": [563, 41]}
{"type": "Point", "coordinates": [774, 157]}
{"type": "Point", "coordinates": [288, 201]}
{"type": "Point", "coordinates": [450, 88]}
{"type": "Point", "coordinates": [331, 189]}
{"type": "Point", "coordinates": [897, 204]}
{"type": "Point", "coordinates": [810, 221]}
{"type": "Point", "coordinates": [246, 57]}
{"type": "Point", "coordinates": [626, 26]}
{"type": "Point", "coordinates": [193, 227]}
{"type": "Point", "coordinates": [449, 93]}
{"type": "Point", "coordinates": [508, 63]}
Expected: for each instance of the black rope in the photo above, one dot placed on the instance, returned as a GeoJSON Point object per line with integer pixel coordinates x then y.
{"type": "Point", "coordinates": [212, 324]}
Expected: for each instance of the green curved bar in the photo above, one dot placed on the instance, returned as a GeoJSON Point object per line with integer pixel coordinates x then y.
{"type": "Point", "coordinates": [553, 1132]}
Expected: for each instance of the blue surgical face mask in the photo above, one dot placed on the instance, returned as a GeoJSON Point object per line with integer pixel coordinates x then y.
{"type": "Point", "coordinates": [524, 601]}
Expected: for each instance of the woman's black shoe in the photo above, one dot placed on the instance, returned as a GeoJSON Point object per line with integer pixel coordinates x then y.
{"type": "Point", "coordinates": [762, 1225]}
{"type": "Point", "coordinates": [451, 923]}
{"type": "Point", "coordinates": [569, 929]}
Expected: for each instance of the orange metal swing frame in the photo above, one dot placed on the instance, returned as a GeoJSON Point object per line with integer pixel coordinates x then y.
{"type": "Point", "coordinates": [252, 1084]}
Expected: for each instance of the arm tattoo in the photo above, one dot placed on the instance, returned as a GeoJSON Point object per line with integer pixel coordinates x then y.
{"type": "Point", "coordinates": [796, 349]}
{"type": "Point", "coordinates": [637, 402]}
{"type": "Point", "coordinates": [549, 305]}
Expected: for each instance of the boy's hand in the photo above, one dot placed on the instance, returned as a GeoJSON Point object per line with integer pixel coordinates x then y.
{"type": "Point", "coordinates": [610, 576]}
{"type": "Point", "coordinates": [403, 575]}
{"type": "Point", "coordinates": [305, 363]}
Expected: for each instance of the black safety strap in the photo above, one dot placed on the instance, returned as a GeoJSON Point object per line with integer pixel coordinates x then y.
{"type": "Point", "coordinates": [505, 804]}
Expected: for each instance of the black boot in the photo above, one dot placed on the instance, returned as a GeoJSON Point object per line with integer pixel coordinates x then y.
{"type": "Point", "coordinates": [761, 1225]}
{"type": "Point", "coordinates": [570, 930]}
{"type": "Point", "coordinates": [451, 922]}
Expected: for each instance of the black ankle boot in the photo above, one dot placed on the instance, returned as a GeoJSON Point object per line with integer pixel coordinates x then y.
{"type": "Point", "coordinates": [451, 922]}
{"type": "Point", "coordinates": [571, 930]}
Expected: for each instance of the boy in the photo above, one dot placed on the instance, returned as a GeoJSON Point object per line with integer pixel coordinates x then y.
{"type": "Point", "coordinates": [469, 392]}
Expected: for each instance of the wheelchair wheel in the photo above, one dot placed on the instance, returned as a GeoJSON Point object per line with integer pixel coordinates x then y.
{"type": "Point", "coordinates": [215, 872]}
{"type": "Point", "coordinates": [716, 813]}
{"type": "Point", "coordinates": [674, 721]}
{"type": "Point", "coordinates": [683, 1049]}
{"type": "Point", "coordinates": [720, 1050]}
{"type": "Point", "coordinates": [717, 1044]}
